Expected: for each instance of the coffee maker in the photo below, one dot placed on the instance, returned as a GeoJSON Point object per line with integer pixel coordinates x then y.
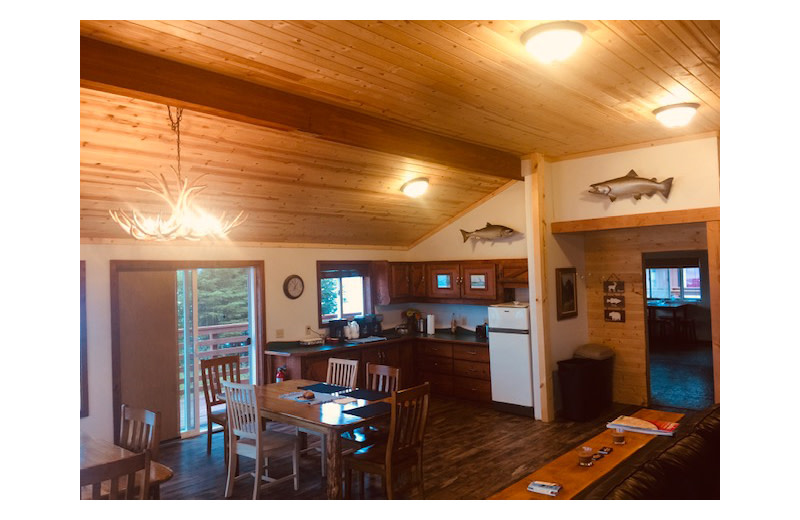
{"type": "Point", "coordinates": [336, 329]}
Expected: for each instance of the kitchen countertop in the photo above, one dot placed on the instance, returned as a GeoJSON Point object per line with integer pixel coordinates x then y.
{"type": "Point", "coordinates": [290, 348]}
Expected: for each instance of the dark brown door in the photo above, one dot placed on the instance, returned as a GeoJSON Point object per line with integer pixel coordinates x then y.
{"type": "Point", "coordinates": [148, 345]}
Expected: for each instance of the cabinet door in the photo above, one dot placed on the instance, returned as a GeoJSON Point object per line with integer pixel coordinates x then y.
{"type": "Point", "coordinates": [443, 280]}
{"type": "Point", "coordinates": [399, 280]}
{"type": "Point", "coordinates": [479, 281]}
{"type": "Point", "coordinates": [417, 277]}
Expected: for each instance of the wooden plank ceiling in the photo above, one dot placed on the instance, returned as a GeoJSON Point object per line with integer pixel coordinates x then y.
{"type": "Point", "coordinates": [311, 127]}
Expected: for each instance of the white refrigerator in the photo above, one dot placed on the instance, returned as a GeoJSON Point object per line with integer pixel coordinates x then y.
{"type": "Point", "coordinates": [510, 358]}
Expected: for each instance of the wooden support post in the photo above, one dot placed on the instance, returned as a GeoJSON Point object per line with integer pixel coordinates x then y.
{"type": "Point", "coordinates": [537, 267]}
{"type": "Point", "coordinates": [712, 241]}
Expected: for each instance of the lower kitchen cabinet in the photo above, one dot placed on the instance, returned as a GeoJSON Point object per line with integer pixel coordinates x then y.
{"type": "Point", "coordinates": [454, 369]}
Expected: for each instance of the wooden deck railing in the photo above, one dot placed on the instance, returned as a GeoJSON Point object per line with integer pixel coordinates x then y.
{"type": "Point", "coordinates": [216, 340]}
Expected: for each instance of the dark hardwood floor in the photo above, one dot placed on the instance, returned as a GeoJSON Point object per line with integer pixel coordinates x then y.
{"type": "Point", "coordinates": [471, 452]}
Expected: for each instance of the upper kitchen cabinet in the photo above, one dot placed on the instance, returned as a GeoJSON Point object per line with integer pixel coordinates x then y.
{"type": "Point", "coordinates": [406, 281]}
{"type": "Point", "coordinates": [467, 280]}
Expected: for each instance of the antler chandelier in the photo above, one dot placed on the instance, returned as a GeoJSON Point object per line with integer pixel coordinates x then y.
{"type": "Point", "coordinates": [186, 220]}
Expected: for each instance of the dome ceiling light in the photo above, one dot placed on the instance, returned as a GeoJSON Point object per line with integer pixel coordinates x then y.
{"type": "Point", "coordinates": [415, 187]}
{"type": "Point", "coordinates": [676, 115]}
{"type": "Point", "coordinates": [553, 41]}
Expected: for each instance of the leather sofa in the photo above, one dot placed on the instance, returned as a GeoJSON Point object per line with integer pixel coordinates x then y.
{"type": "Point", "coordinates": [685, 466]}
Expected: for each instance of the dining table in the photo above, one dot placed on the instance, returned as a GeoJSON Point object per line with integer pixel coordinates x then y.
{"type": "Point", "coordinates": [95, 452]}
{"type": "Point", "coordinates": [331, 418]}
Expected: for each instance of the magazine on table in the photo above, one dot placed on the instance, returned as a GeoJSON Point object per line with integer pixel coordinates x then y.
{"type": "Point", "coordinates": [634, 424]}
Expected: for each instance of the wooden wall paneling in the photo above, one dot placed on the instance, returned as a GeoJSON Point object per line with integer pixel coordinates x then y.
{"type": "Point", "coordinates": [619, 252]}
{"type": "Point", "coordinates": [712, 234]}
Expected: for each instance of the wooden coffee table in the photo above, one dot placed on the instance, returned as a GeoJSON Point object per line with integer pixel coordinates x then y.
{"type": "Point", "coordinates": [574, 478]}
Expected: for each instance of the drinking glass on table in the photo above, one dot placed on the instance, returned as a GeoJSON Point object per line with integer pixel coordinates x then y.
{"type": "Point", "coordinates": [585, 455]}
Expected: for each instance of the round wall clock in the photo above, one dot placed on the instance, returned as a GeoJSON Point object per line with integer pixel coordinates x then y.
{"type": "Point", "coordinates": [293, 286]}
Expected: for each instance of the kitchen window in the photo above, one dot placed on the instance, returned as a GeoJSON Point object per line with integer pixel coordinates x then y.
{"type": "Point", "coordinates": [343, 290]}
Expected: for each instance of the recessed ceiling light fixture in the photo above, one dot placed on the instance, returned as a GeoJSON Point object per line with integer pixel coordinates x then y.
{"type": "Point", "coordinates": [676, 115]}
{"type": "Point", "coordinates": [415, 187]}
{"type": "Point", "coordinates": [553, 41]}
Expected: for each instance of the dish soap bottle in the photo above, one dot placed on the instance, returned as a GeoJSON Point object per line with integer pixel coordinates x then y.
{"type": "Point", "coordinates": [453, 325]}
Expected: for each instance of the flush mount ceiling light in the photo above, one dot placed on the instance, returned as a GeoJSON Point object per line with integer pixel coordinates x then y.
{"type": "Point", "coordinates": [553, 41]}
{"type": "Point", "coordinates": [415, 187]}
{"type": "Point", "coordinates": [186, 220]}
{"type": "Point", "coordinates": [676, 115]}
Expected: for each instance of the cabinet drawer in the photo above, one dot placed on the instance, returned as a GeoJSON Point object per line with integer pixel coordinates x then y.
{"type": "Point", "coordinates": [436, 348]}
{"type": "Point", "coordinates": [441, 384]}
{"type": "Point", "coordinates": [471, 352]}
{"type": "Point", "coordinates": [471, 369]}
{"type": "Point", "coordinates": [474, 389]}
{"type": "Point", "coordinates": [440, 365]}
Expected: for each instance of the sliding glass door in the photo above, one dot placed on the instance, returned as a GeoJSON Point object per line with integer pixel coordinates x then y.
{"type": "Point", "coordinates": [215, 308]}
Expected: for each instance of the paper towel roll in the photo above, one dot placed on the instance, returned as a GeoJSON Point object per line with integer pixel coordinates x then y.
{"type": "Point", "coordinates": [430, 329]}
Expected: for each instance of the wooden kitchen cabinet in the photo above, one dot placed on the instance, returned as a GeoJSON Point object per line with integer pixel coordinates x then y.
{"type": "Point", "coordinates": [406, 281]}
{"type": "Point", "coordinates": [454, 369]}
{"type": "Point", "coordinates": [469, 280]}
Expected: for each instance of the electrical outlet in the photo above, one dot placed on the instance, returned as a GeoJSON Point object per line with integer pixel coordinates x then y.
{"type": "Point", "coordinates": [279, 333]}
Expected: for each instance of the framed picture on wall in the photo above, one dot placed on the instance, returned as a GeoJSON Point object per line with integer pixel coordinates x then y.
{"type": "Point", "coordinates": [613, 286]}
{"type": "Point", "coordinates": [617, 316]}
{"type": "Point", "coordinates": [612, 301]}
{"type": "Point", "coordinates": [566, 293]}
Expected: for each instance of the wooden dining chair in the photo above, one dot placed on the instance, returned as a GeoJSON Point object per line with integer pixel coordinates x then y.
{"type": "Point", "coordinates": [403, 447]}
{"type": "Point", "coordinates": [381, 378]}
{"type": "Point", "coordinates": [249, 438]}
{"type": "Point", "coordinates": [114, 477]}
{"type": "Point", "coordinates": [140, 430]}
{"type": "Point", "coordinates": [215, 370]}
{"type": "Point", "coordinates": [341, 372]}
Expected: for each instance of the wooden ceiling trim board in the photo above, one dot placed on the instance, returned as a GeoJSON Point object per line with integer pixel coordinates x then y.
{"type": "Point", "coordinates": [228, 243]}
{"type": "Point", "coordinates": [104, 66]}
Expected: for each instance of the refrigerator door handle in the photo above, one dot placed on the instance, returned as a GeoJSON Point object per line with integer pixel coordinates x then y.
{"type": "Point", "coordinates": [508, 331]}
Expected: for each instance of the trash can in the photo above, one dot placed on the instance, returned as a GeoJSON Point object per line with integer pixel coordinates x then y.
{"type": "Point", "coordinates": [585, 382]}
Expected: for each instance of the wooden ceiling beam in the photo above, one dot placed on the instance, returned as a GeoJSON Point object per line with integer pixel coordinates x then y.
{"type": "Point", "coordinates": [110, 68]}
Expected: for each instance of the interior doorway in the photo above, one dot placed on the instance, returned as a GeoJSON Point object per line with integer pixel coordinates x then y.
{"type": "Point", "coordinates": [680, 360]}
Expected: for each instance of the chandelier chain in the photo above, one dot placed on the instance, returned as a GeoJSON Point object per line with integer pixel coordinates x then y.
{"type": "Point", "coordinates": [175, 122]}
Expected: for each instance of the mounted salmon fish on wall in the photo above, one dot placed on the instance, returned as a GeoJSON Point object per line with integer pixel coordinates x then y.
{"type": "Point", "coordinates": [632, 184]}
{"type": "Point", "coordinates": [489, 232]}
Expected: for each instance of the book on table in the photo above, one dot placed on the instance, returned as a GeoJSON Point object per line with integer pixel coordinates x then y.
{"type": "Point", "coordinates": [634, 424]}
{"type": "Point", "coordinates": [544, 488]}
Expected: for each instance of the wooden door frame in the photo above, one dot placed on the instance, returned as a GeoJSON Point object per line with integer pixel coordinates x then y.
{"type": "Point", "coordinates": [120, 266]}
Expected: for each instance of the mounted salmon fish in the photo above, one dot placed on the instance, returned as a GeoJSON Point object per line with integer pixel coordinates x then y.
{"type": "Point", "coordinates": [632, 184]}
{"type": "Point", "coordinates": [489, 232]}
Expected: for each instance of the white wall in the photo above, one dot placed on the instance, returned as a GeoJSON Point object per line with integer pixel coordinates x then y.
{"type": "Point", "coordinates": [281, 313]}
{"type": "Point", "coordinates": [507, 209]}
{"type": "Point", "coordinates": [693, 164]}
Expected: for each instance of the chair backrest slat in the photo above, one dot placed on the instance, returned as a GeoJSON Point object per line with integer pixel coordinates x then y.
{"type": "Point", "coordinates": [408, 420]}
{"type": "Point", "coordinates": [342, 372]}
{"type": "Point", "coordinates": [114, 472]}
{"type": "Point", "coordinates": [140, 430]}
{"type": "Point", "coordinates": [383, 378]}
{"type": "Point", "coordinates": [243, 405]}
{"type": "Point", "coordinates": [213, 371]}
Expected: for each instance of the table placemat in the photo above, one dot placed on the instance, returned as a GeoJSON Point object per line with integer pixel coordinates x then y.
{"type": "Point", "coordinates": [369, 395]}
{"type": "Point", "coordinates": [573, 478]}
{"type": "Point", "coordinates": [319, 397]}
{"type": "Point", "coordinates": [371, 410]}
{"type": "Point", "coordinates": [324, 388]}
